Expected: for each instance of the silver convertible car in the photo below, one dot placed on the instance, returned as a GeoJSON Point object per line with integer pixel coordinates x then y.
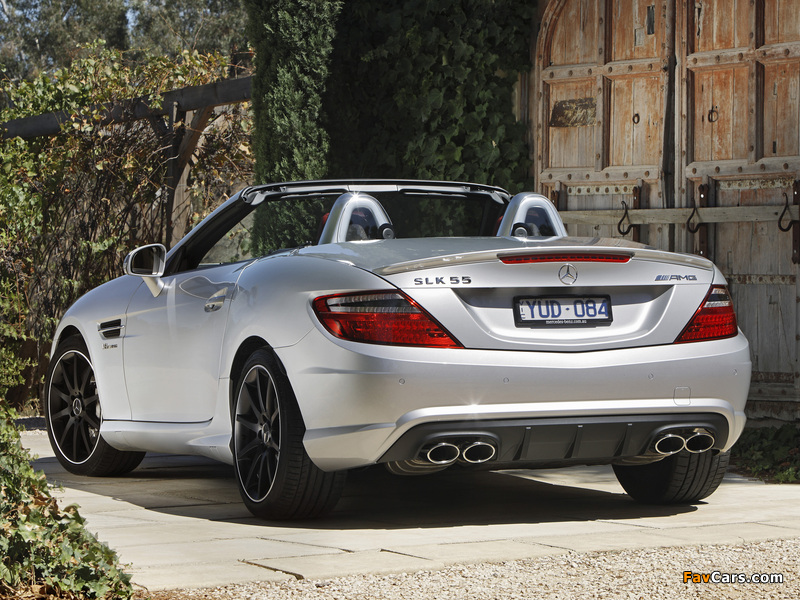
{"type": "Point", "coordinates": [304, 329]}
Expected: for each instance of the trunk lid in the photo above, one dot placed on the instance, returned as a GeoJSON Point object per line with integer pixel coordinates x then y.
{"type": "Point", "coordinates": [558, 295]}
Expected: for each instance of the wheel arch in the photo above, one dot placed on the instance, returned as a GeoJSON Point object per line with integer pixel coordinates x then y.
{"type": "Point", "coordinates": [66, 333]}
{"type": "Point", "coordinates": [243, 352]}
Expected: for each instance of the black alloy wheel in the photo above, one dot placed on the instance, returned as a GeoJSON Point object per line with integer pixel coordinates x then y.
{"type": "Point", "coordinates": [276, 477]}
{"type": "Point", "coordinates": [74, 415]}
{"type": "Point", "coordinates": [257, 434]}
{"type": "Point", "coordinates": [74, 407]}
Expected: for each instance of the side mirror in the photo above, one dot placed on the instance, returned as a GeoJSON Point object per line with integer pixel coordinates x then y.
{"type": "Point", "coordinates": [148, 262]}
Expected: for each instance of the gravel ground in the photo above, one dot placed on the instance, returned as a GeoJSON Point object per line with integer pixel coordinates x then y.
{"type": "Point", "coordinates": [650, 574]}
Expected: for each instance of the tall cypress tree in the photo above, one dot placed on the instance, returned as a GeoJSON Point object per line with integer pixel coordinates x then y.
{"type": "Point", "coordinates": [293, 42]}
{"type": "Point", "coordinates": [414, 88]}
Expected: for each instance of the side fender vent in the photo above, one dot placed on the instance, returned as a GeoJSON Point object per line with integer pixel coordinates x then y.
{"type": "Point", "coordinates": [110, 329]}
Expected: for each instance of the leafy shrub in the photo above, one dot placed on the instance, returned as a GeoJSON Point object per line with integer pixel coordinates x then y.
{"type": "Point", "coordinates": [72, 205]}
{"type": "Point", "coordinates": [769, 453]}
{"type": "Point", "coordinates": [44, 549]}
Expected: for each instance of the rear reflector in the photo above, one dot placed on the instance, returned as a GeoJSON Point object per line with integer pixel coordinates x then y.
{"type": "Point", "coordinates": [518, 259]}
{"type": "Point", "coordinates": [714, 319]}
{"type": "Point", "coordinates": [390, 318]}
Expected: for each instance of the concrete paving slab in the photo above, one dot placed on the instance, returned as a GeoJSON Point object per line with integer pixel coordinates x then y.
{"type": "Point", "coordinates": [181, 531]}
{"type": "Point", "coordinates": [791, 524]}
{"type": "Point", "coordinates": [202, 575]}
{"type": "Point", "coordinates": [214, 551]}
{"type": "Point", "coordinates": [660, 538]}
{"type": "Point", "coordinates": [376, 562]}
{"type": "Point", "coordinates": [362, 538]}
{"type": "Point", "coordinates": [178, 521]}
{"type": "Point", "coordinates": [738, 500]}
{"type": "Point", "coordinates": [475, 552]}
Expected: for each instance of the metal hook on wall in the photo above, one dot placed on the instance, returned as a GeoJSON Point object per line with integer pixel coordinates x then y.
{"type": "Point", "coordinates": [693, 228]}
{"type": "Point", "coordinates": [627, 230]}
{"type": "Point", "coordinates": [792, 222]}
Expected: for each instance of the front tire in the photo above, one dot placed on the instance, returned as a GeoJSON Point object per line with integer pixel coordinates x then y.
{"type": "Point", "coordinates": [682, 478]}
{"type": "Point", "coordinates": [73, 414]}
{"type": "Point", "coordinates": [275, 475]}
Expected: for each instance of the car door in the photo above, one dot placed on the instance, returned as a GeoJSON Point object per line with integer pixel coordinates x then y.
{"type": "Point", "coordinates": [172, 345]}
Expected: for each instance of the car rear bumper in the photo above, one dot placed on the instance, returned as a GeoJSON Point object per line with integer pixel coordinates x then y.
{"type": "Point", "coordinates": [368, 397]}
{"type": "Point", "coordinates": [558, 441]}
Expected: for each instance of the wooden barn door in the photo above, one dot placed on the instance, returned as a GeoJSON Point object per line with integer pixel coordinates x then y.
{"type": "Point", "coordinates": [739, 138]}
{"type": "Point", "coordinates": [666, 106]}
{"type": "Point", "coordinates": [602, 74]}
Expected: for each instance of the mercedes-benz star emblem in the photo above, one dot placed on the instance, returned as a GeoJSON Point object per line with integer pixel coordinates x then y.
{"type": "Point", "coordinates": [568, 274]}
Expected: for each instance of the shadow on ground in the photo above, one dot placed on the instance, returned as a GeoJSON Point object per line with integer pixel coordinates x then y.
{"type": "Point", "coordinates": [203, 489]}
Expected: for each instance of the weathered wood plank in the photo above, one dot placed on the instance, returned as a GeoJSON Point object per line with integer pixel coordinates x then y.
{"type": "Point", "coordinates": [636, 30]}
{"type": "Point", "coordinates": [781, 109]}
{"type": "Point", "coordinates": [703, 103]}
{"type": "Point", "coordinates": [741, 114]}
{"type": "Point", "coordinates": [571, 145]}
{"type": "Point", "coordinates": [621, 122]}
{"type": "Point", "coordinates": [782, 21]}
{"type": "Point", "coordinates": [721, 24]}
{"type": "Point", "coordinates": [622, 30]}
{"type": "Point", "coordinates": [720, 115]}
{"type": "Point", "coordinates": [649, 130]}
{"type": "Point", "coordinates": [568, 48]}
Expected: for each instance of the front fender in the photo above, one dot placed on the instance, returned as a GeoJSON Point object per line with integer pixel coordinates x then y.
{"type": "Point", "coordinates": [103, 305]}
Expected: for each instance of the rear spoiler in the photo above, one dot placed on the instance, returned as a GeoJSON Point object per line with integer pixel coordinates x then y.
{"type": "Point", "coordinates": [560, 246]}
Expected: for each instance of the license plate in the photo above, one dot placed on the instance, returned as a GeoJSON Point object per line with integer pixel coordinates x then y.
{"type": "Point", "coordinates": [562, 311]}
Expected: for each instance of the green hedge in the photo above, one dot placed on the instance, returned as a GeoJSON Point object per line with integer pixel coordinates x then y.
{"type": "Point", "coordinates": [771, 453]}
{"type": "Point", "coordinates": [292, 40]}
{"type": "Point", "coordinates": [393, 89]}
{"type": "Point", "coordinates": [398, 88]}
{"type": "Point", "coordinates": [424, 89]}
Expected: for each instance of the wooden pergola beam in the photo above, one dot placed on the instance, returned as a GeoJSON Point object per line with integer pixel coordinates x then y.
{"type": "Point", "coordinates": [219, 93]}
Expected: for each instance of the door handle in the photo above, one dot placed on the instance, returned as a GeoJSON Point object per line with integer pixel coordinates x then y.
{"type": "Point", "coordinates": [216, 301]}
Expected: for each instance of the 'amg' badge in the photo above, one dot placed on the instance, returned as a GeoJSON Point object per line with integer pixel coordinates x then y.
{"type": "Point", "coordinates": [676, 277]}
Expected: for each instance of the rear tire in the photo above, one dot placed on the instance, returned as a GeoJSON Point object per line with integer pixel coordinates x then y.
{"type": "Point", "coordinates": [682, 478]}
{"type": "Point", "coordinates": [275, 475]}
{"type": "Point", "coordinates": [73, 415]}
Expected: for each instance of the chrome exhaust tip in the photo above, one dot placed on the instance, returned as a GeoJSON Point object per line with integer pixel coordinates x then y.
{"type": "Point", "coordinates": [478, 452]}
{"type": "Point", "coordinates": [669, 444]}
{"type": "Point", "coordinates": [443, 453]}
{"type": "Point", "coordinates": [700, 441]}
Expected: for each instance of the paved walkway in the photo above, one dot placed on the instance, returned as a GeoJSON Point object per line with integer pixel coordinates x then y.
{"type": "Point", "coordinates": [178, 521]}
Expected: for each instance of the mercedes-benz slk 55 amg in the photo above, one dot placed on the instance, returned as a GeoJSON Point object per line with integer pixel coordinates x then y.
{"type": "Point", "coordinates": [304, 329]}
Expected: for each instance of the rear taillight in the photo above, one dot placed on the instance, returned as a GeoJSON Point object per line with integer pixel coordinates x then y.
{"type": "Point", "coordinates": [390, 318]}
{"type": "Point", "coordinates": [714, 319]}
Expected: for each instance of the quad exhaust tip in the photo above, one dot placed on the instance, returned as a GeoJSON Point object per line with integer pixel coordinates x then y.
{"type": "Point", "coordinates": [443, 453]}
{"type": "Point", "coordinates": [478, 452]}
{"type": "Point", "coordinates": [670, 444]}
{"type": "Point", "coordinates": [699, 440]}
